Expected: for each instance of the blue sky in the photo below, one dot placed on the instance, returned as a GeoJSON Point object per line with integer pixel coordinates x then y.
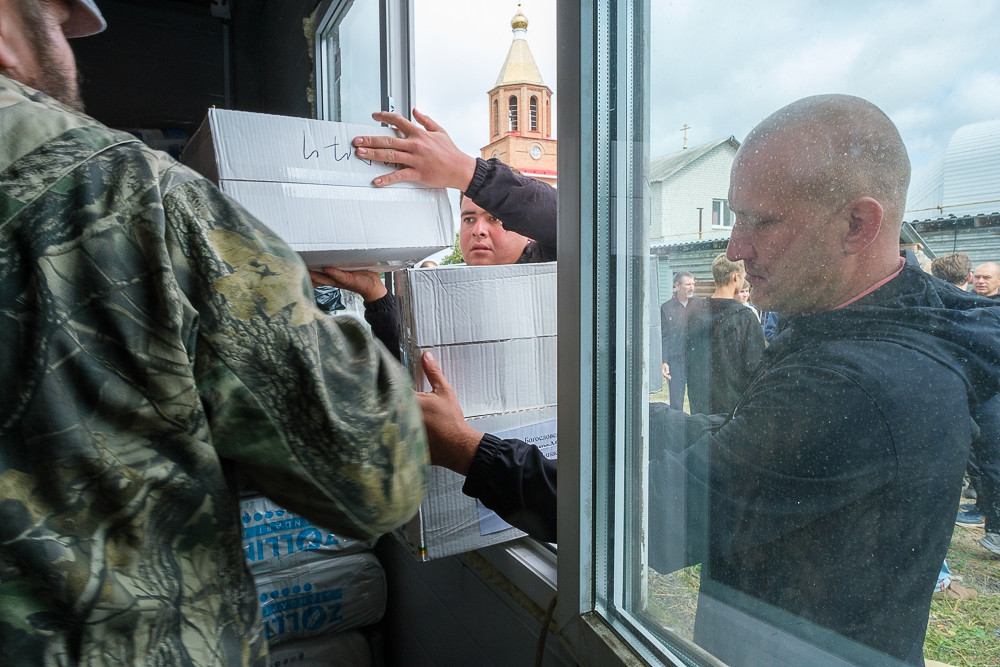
{"type": "Point", "coordinates": [722, 66]}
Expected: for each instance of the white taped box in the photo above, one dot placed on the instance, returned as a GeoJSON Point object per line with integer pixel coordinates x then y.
{"type": "Point", "coordinates": [450, 522]}
{"type": "Point", "coordinates": [302, 178]}
{"type": "Point", "coordinates": [275, 538]}
{"type": "Point", "coordinates": [344, 648]}
{"type": "Point", "coordinates": [320, 598]}
{"type": "Point", "coordinates": [492, 329]}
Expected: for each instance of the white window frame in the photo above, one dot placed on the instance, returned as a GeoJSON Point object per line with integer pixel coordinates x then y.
{"type": "Point", "coordinates": [725, 214]}
{"type": "Point", "coordinates": [395, 48]}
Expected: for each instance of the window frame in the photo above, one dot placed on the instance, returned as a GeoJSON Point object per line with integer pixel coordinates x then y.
{"type": "Point", "coordinates": [512, 125]}
{"type": "Point", "coordinates": [395, 53]}
{"type": "Point", "coordinates": [602, 163]}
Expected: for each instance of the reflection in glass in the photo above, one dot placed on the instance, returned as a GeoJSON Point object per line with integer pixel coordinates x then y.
{"type": "Point", "coordinates": [353, 89]}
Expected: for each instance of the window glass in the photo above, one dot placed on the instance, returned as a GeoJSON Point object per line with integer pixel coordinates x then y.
{"type": "Point", "coordinates": [763, 535]}
{"type": "Point", "coordinates": [351, 85]}
{"type": "Point", "coordinates": [512, 113]}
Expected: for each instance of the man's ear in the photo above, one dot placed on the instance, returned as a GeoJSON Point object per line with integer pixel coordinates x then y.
{"type": "Point", "coordinates": [864, 220]}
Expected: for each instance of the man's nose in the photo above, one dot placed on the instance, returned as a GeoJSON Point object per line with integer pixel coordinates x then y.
{"type": "Point", "coordinates": [740, 246]}
{"type": "Point", "coordinates": [480, 228]}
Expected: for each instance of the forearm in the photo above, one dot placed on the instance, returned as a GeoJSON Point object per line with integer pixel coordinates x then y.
{"type": "Point", "coordinates": [515, 480]}
{"type": "Point", "coordinates": [383, 317]}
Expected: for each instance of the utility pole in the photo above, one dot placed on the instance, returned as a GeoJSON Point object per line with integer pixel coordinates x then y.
{"type": "Point", "coordinates": [685, 131]}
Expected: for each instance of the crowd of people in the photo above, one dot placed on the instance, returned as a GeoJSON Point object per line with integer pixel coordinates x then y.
{"type": "Point", "coordinates": [163, 343]}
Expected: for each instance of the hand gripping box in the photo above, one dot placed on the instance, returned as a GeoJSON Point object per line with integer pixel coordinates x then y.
{"type": "Point", "coordinates": [302, 178]}
{"type": "Point", "coordinates": [450, 522]}
{"type": "Point", "coordinates": [276, 539]}
{"type": "Point", "coordinates": [492, 329]}
{"type": "Point", "coordinates": [323, 597]}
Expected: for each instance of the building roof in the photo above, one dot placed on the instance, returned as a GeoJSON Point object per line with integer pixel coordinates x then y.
{"type": "Point", "coordinates": [519, 66]}
{"type": "Point", "coordinates": [662, 168]}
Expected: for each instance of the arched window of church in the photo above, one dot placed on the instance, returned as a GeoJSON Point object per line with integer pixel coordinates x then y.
{"type": "Point", "coordinates": [534, 113]}
{"type": "Point", "coordinates": [512, 114]}
{"type": "Point", "coordinates": [496, 118]}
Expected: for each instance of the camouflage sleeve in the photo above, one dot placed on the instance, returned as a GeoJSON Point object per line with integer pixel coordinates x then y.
{"type": "Point", "coordinates": [310, 408]}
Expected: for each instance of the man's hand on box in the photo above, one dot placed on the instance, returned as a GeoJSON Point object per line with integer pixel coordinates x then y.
{"type": "Point", "coordinates": [365, 283]}
{"type": "Point", "coordinates": [453, 443]}
{"type": "Point", "coordinates": [427, 156]}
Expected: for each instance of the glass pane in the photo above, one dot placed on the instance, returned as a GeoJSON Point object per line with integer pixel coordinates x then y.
{"type": "Point", "coordinates": [353, 77]}
{"type": "Point", "coordinates": [808, 519]}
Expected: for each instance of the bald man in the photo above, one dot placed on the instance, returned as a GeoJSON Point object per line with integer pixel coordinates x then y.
{"type": "Point", "coordinates": [986, 280]}
{"type": "Point", "coordinates": [831, 487]}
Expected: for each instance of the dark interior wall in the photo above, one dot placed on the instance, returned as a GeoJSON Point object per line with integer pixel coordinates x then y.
{"type": "Point", "coordinates": [162, 63]}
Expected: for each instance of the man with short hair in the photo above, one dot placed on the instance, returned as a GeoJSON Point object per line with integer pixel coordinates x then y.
{"type": "Point", "coordinates": [986, 280]}
{"type": "Point", "coordinates": [954, 268]}
{"type": "Point", "coordinates": [723, 343]}
{"type": "Point", "coordinates": [831, 486]}
{"type": "Point", "coordinates": [673, 324]}
{"type": "Point", "coordinates": [160, 343]}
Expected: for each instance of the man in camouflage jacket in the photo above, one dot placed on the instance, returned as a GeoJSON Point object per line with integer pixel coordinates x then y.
{"type": "Point", "coordinates": [158, 343]}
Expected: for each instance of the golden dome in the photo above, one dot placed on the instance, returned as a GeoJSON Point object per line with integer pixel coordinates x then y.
{"type": "Point", "coordinates": [519, 21]}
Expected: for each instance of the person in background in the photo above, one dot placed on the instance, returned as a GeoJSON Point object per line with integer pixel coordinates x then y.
{"type": "Point", "coordinates": [673, 325]}
{"type": "Point", "coordinates": [160, 343]}
{"type": "Point", "coordinates": [984, 454]}
{"type": "Point", "coordinates": [986, 280]}
{"type": "Point", "coordinates": [743, 296]}
{"type": "Point", "coordinates": [723, 343]}
{"type": "Point", "coordinates": [955, 268]}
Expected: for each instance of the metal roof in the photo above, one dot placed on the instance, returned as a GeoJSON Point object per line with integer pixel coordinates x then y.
{"type": "Point", "coordinates": [662, 168]}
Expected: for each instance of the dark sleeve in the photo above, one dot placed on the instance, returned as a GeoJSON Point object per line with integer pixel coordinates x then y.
{"type": "Point", "coordinates": [525, 205]}
{"type": "Point", "coordinates": [383, 317]}
{"type": "Point", "coordinates": [664, 332]}
{"type": "Point", "coordinates": [793, 452]}
{"type": "Point", "coordinates": [516, 481]}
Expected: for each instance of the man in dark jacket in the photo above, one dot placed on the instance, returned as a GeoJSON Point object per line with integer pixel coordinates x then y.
{"type": "Point", "coordinates": [673, 325]}
{"type": "Point", "coordinates": [830, 489]}
{"type": "Point", "coordinates": [723, 342]}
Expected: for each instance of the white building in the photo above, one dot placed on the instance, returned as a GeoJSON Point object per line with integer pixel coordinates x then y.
{"type": "Point", "coordinates": [689, 193]}
{"type": "Point", "coordinates": [964, 180]}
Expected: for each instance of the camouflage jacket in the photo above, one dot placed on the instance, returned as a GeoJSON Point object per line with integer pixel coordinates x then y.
{"type": "Point", "coordinates": [159, 342]}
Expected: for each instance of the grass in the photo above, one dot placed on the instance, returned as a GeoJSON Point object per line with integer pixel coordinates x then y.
{"type": "Point", "coordinates": [966, 632]}
{"type": "Point", "coordinates": [963, 632]}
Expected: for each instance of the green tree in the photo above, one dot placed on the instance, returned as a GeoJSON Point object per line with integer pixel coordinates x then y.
{"type": "Point", "coordinates": [455, 256]}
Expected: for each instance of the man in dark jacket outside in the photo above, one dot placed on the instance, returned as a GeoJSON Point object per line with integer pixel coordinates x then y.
{"type": "Point", "coordinates": [722, 343]}
{"type": "Point", "coordinates": [673, 324]}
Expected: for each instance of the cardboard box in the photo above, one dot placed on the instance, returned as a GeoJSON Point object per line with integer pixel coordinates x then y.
{"type": "Point", "coordinates": [450, 522]}
{"type": "Point", "coordinates": [492, 329]}
{"type": "Point", "coordinates": [320, 598]}
{"type": "Point", "coordinates": [275, 538]}
{"type": "Point", "coordinates": [302, 179]}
